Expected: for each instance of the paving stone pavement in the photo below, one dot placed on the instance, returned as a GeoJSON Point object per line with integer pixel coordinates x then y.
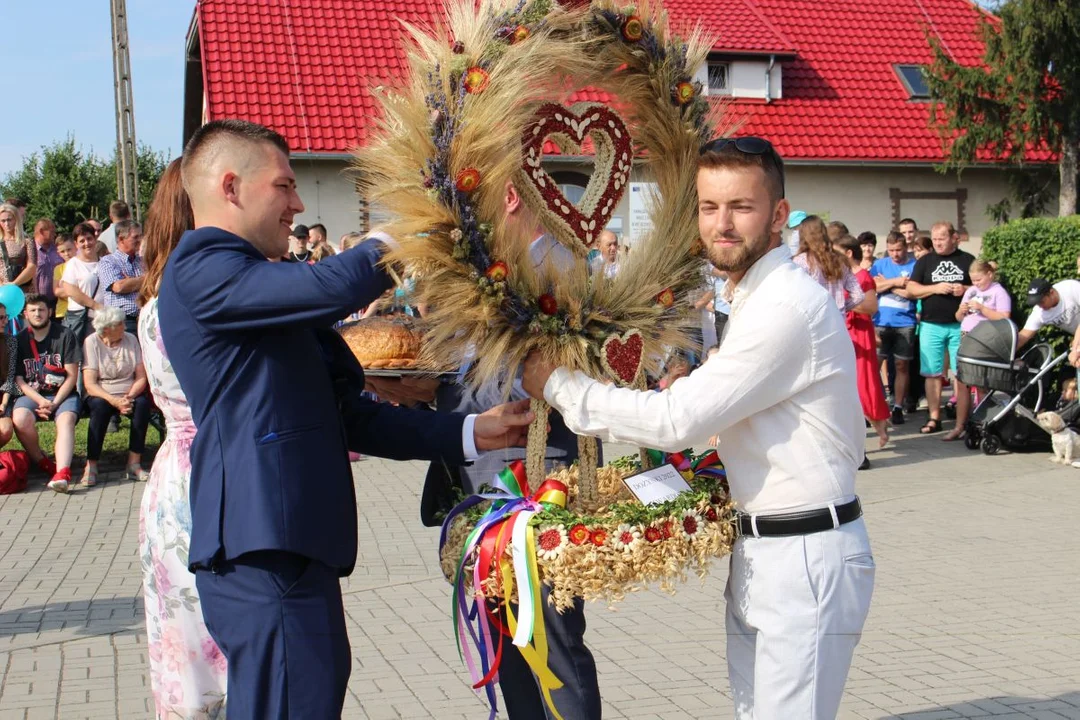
{"type": "Point", "coordinates": [975, 614]}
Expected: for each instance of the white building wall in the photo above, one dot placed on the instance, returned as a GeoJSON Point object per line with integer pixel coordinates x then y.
{"type": "Point", "coordinates": [328, 194]}
{"type": "Point", "coordinates": [860, 197]}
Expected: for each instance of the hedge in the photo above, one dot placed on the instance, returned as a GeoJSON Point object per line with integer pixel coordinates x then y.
{"type": "Point", "coordinates": [1027, 249]}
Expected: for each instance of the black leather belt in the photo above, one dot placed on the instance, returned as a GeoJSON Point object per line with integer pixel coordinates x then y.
{"type": "Point", "coordinates": [797, 523]}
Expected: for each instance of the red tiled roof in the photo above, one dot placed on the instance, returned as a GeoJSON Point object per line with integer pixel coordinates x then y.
{"type": "Point", "coordinates": [302, 67]}
{"type": "Point", "coordinates": [739, 25]}
{"type": "Point", "coordinates": [305, 71]}
{"type": "Point", "coordinates": [842, 99]}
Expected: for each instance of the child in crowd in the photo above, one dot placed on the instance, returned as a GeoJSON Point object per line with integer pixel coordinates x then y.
{"type": "Point", "coordinates": [1067, 406]}
{"type": "Point", "coordinates": [986, 299]}
{"type": "Point", "coordinates": [65, 246]}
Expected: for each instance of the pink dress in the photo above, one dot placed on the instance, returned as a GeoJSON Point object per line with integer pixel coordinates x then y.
{"type": "Point", "coordinates": [187, 670]}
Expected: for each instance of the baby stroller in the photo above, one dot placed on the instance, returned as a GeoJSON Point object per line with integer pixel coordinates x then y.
{"type": "Point", "coordinates": [1017, 388]}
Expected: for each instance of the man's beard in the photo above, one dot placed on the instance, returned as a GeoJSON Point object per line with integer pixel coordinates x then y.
{"type": "Point", "coordinates": [740, 257]}
{"type": "Point", "coordinates": [39, 325]}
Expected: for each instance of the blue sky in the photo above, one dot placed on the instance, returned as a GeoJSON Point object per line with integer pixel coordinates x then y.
{"type": "Point", "coordinates": [60, 52]}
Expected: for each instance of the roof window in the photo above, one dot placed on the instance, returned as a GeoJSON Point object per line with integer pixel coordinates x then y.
{"type": "Point", "coordinates": [914, 79]}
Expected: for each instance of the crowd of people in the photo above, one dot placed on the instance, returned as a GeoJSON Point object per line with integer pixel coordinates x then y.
{"type": "Point", "coordinates": [72, 351]}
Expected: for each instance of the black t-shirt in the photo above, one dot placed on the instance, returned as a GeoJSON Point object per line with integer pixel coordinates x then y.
{"type": "Point", "coordinates": [293, 257]}
{"type": "Point", "coordinates": [57, 349]}
{"type": "Point", "coordinates": [932, 269]}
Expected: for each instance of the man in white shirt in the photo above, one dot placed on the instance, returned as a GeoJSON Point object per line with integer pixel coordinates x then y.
{"type": "Point", "coordinates": [780, 394]}
{"type": "Point", "coordinates": [118, 211]}
{"type": "Point", "coordinates": [1057, 305]}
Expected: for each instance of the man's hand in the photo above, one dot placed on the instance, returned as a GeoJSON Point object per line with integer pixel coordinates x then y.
{"type": "Point", "coordinates": [536, 374]}
{"type": "Point", "coordinates": [503, 426]}
{"type": "Point", "coordinates": [958, 290]}
{"type": "Point", "coordinates": [406, 391]}
{"type": "Point", "coordinates": [44, 409]}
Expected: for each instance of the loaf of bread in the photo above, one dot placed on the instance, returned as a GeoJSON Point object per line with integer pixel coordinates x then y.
{"type": "Point", "coordinates": [383, 342]}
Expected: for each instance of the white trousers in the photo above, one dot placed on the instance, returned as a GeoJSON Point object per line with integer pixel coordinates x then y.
{"type": "Point", "coordinates": [795, 612]}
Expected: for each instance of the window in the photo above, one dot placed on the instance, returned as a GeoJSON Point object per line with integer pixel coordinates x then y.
{"type": "Point", "coordinates": [572, 192]}
{"type": "Point", "coordinates": [571, 184]}
{"type": "Point", "coordinates": [719, 78]}
{"type": "Point", "coordinates": [914, 79]}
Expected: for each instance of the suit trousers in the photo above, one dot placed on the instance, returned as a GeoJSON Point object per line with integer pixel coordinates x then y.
{"type": "Point", "coordinates": [795, 612]}
{"type": "Point", "coordinates": [279, 620]}
{"type": "Point", "coordinates": [568, 658]}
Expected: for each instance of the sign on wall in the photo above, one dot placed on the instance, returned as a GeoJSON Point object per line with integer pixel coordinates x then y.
{"type": "Point", "coordinates": [641, 194]}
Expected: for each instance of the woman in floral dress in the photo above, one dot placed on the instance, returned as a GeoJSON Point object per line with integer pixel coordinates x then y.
{"type": "Point", "coordinates": [187, 670]}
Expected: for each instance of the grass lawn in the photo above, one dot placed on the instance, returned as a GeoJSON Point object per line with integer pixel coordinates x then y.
{"type": "Point", "coordinates": [113, 454]}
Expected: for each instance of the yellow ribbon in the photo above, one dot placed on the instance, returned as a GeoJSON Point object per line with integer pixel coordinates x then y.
{"type": "Point", "coordinates": [535, 654]}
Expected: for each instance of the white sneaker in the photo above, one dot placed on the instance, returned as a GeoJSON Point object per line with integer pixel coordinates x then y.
{"type": "Point", "coordinates": [1075, 463]}
{"type": "Point", "coordinates": [60, 486]}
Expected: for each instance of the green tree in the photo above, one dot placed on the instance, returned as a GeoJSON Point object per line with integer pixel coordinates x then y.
{"type": "Point", "coordinates": [64, 183]}
{"type": "Point", "coordinates": [1025, 96]}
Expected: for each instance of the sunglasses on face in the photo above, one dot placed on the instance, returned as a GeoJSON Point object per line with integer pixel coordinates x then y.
{"type": "Point", "coordinates": [748, 146]}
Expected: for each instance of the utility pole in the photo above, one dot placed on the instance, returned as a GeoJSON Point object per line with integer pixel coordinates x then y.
{"type": "Point", "coordinates": [127, 166]}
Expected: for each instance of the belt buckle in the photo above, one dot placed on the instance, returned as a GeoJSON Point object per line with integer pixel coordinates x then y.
{"type": "Point", "coordinates": [737, 525]}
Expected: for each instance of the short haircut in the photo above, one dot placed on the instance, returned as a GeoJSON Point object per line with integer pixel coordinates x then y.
{"type": "Point", "coordinates": [125, 227]}
{"type": "Point", "coordinates": [83, 228]}
{"type": "Point", "coordinates": [119, 210]}
{"type": "Point", "coordinates": [728, 156]}
{"type": "Point", "coordinates": [211, 137]}
{"type": "Point", "coordinates": [908, 221]}
{"type": "Point", "coordinates": [318, 226]}
{"type": "Point", "coordinates": [925, 243]}
{"type": "Point", "coordinates": [895, 237]}
{"type": "Point", "coordinates": [17, 202]}
{"type": "Point", "coordinates": [35, 299]}
{"type": "Point", "coordinates": [64, 238]}
{"type": "Point", "coordinates": [868, 238]}
{"type": "Point", "coordinates": [943, 224]}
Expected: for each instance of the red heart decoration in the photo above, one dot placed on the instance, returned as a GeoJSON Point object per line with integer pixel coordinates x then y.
{"type": "Point", "coordinates": [576, 227]}
{"type": "Point", "coordinates": [621, 356]}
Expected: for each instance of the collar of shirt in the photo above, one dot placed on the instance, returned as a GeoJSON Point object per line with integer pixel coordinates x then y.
{"type": "Point", "coordinates": [735, 294]}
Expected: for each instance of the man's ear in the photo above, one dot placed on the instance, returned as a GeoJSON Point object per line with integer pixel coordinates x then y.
{"type": "Point", "coordinates": [230, 187]}
{"type": "Point", "coordinates": [780, 215]}
{"type": "Point", "coordinates": [511, 198]}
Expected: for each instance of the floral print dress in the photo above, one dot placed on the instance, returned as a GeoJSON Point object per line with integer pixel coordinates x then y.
{"type": "Point", "coordinates": [187, 670]}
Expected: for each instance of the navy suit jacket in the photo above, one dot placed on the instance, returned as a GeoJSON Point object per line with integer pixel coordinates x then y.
{"type": "Point", "coordinates": [269, 467]}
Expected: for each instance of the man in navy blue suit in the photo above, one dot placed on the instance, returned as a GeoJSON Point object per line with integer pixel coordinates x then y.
{"type": "Point", "coordinates": [272, 502]}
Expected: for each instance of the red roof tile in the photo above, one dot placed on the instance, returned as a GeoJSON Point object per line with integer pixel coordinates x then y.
{"type": "Point", "coordinates": [304, 67]}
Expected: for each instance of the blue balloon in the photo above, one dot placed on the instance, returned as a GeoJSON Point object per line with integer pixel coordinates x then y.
{"type": "Point", "coordinates": [11, 297]}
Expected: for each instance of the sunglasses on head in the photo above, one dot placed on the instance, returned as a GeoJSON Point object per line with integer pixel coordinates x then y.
{"type": "Point", "coordinates": [748, 146]}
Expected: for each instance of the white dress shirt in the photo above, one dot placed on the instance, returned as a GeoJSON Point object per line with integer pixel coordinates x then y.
{"type": "Point", "coordinates": [780, 393]}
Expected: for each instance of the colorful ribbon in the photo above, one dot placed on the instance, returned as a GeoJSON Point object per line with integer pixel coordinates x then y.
{"type": "Point", "coordinates": [506, 521]}
{"type": "Point", "coordinates": [706, 465]}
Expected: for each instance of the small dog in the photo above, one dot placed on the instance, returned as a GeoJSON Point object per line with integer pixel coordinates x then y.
{"type": "Point", "coordinates": [1064, 439]}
